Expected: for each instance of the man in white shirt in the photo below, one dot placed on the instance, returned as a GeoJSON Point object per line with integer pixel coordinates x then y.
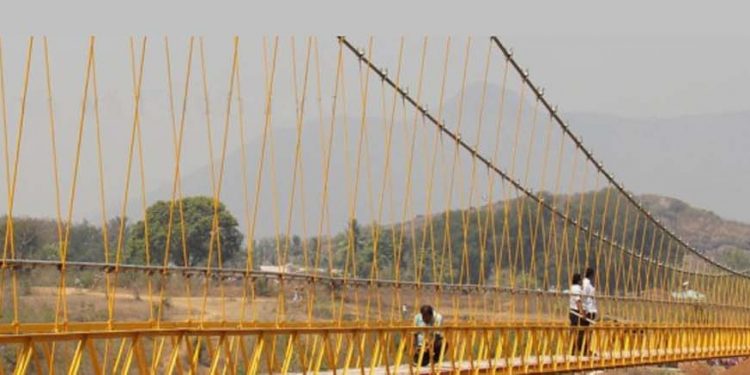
{"type": "Point", "coordinates": [589, 305]}
{"type": "Point", "coordinates": [577, 314]}
{"type": "Point", "coordinates": [589, 295]}
{"type": "Point", "coordinates": [427, 317]}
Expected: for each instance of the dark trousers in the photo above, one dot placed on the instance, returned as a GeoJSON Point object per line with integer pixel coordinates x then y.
{"type": "Point", "coordinates": [577, 322]}
{"type": "Point", "coordinates": [430, 354]}
{"type": "Point", "coordinates": [582, 338]}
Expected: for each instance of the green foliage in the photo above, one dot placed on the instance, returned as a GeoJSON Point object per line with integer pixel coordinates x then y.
{"type": "Point", "coordinates": [198, 215]}
{"type": "Point", "coordinates": [736, 258]}
{"type": "Point", "coordinates": [513, 242]}
{"type": "Point", "coordinates": [36, 238]}
{"type": "Point", "coordinates": [517, 234]}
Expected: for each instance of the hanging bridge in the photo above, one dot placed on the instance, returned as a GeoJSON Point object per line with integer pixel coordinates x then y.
{"type": "Point", "coordinates": [367, 181]}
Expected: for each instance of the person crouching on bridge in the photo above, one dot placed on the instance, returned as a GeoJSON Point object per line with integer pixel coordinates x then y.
{"type": "Point", "coordinates": [430, 349]}
{"type": "Point", "coordinates": [577, 313]}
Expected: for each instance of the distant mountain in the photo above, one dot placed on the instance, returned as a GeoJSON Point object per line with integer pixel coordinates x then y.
{"type": "Point", "coordinates": [699, 159]}
{"type": "Point", "coordinates": [724, 240]}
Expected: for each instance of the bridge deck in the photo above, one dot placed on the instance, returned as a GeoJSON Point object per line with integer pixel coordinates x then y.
{"type": "Point", "coordinates": [530, 364]}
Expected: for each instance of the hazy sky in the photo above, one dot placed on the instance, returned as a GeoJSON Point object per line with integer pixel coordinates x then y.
{"type": "Point", "coordinates": [637, 59]}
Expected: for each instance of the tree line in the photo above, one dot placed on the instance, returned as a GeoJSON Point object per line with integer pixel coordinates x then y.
{"type": "Point", "coordinates": [481, 245]}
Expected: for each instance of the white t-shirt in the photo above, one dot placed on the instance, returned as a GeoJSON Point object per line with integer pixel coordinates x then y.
{"type": "Point", "coordinates": [575, 296]}
{"type": "Point", "coordinates": [437, 321]}
{"type": "Point", "coordinates": [589, 293]}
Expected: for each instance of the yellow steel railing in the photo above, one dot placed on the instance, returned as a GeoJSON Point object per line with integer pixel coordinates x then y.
{"type": "Point", "coordinates": [498, 348]}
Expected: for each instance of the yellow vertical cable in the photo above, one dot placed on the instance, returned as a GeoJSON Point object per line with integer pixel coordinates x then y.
{"type": "Point", "coordinates": [588, 230]}
{"type": "Point", "coordinates": [353, 247]}
{"type": "Point", "coordinates": [328, 151]}
{"type": "Point", "coordinates": [438, 136]}
{"type": "Point", "coordinates": [556, 247]}
{"type": "Point", "coordinates": [467, 212]}
{"type": "Point", "coordinates": [207, 115]}
{"type": "Point", "coordinates": [540, 221]}
{"type": "Point", "coordinates": [436, 269]}
{"type": "Point", "coordinates": [410, 145]}
{"type": "Point", "coordinates": [608, 266]}
{"type": "Point", "coordinates": [407, 211]}
{"type": "Point", "coordinates": [629, 283]}
{"type": "Point", "coordinates": [652, 275]}
{"type": "Point", "coordinates": [573, 252]}
{"type": "Point", "coordinates": [268, 91]}
{"type": "Point", "coordinates": [6, 158]}
{"type": "Point", "coordinates": [235, 345]}
{"type": "Point", "coordinates": [479, 228]}
{"type": "Point", "coordinates": [350, 265]}
{"type": "Point", "coordinates": [498, 248]}
{"type": "Point", "coordinates": [653, 261]}
{"type": "Point", "coordinates": [577, 264]}
{"type": "Point", "coordinates": [619, 266]}
{"type": "Point", "coordinates": [299, 118]}
{"type": "Point", "coordinates": [281, 254]}
{"type": "Point", "coordinates": [376, 228]}
{"type": "Point", "coordinates": [450, 191]}
{"type": "Point", "coordinates": [144, 204]}
{"type": "Point", "coordinates": [526, 207]}
{"type": "Point", "coordinates": [246, 202]}
{"type": "Point", "coordinates": [601, 231]}
{"type": "Point", "coordinates": [62, 293]}
{"type": "Point", "coordinates": [211, 167]}
{"type": "Point", "coordinates": [176, 184]}
{"type": "Point", "coordinates": [9, 232]}
{"type": "Point", "coordinates": [102, 197]}
{"type": "Point", "coordinates": [215, 237]}
{"type": "Point", "coordinates": [121, 234]}
{"type": "Point", "coordinates": [6, 147]}
{"type": "Point", "coordinates": [519, 201]}
{"type": "Point", "coordinates": [53, 138]}
{"type": "Point", "coordinates": [640, 283]}
{"type": "Point", "coordinates": [444, 243]}
{"type": "Point", "coordinates": [456, 166]}
{"type": "Point", "coordinates": [420, 265]}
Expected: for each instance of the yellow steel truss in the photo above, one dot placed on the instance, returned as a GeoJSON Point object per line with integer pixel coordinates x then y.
{"type": "Point", "coordinates": [483, 208]}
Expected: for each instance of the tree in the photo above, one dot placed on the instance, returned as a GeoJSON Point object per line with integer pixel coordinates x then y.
{"type": "Point", "coordinates": [349, 242]}
{"type": "Point", "coordinates": [734, 258]}
{"type": "Point", "coordinates": [199, 216]}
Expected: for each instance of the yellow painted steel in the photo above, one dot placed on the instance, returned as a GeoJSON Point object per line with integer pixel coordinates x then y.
{"type": "Point", "coordinates": [491, 348]}
{"type": "Point", "coordinates": [418, 191]}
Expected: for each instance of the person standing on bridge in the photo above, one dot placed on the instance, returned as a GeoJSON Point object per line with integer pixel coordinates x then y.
{"type": "Point", "coordinates": [589, 305]}
{"type": "Point", "coordinates": [589, 296]}
{"type": "Point", "coordinates": [428, 350]}
{"type": "Point", "coordinates": [577, 314]}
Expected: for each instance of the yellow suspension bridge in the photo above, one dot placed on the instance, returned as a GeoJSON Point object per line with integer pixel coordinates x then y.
{"type": "Point", "coordinates": [483, 205]}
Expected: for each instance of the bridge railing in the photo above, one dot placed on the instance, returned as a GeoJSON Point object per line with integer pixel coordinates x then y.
{"type": "Point", "coordinates": [487, 348]}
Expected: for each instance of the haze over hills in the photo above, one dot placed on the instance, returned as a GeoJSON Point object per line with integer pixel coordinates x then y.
{"type": "Point", "coordinates": [698, 159]}
{"type": "Point", "coordinates": [726, 241]}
